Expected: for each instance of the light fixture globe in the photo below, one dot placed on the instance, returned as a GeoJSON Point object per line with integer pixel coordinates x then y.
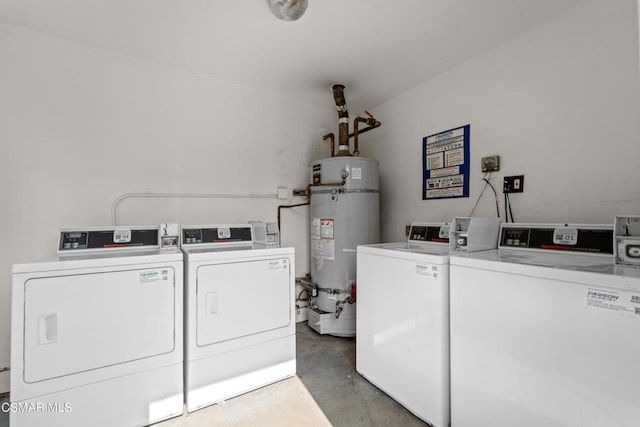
{"type": "Point", "coordinates": [287, 10]}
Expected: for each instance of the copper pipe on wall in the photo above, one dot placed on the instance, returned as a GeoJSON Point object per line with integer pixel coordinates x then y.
{"type": "Point", "coordinates": [288, 207]}
{"type": "Point", "coordinates": [372, 124]}
{"type": "Point", "coordinates": [333, 142]}
{"type": "Point", "coordinates": [357, 120]}
{"type": "Point", "coordinates": [331, 184]}
{"type": "Point", "coordinates": [343, 120]}
{"type": "Point", "coordinates": [367, 129]}
{"type": "Point", "coordinates": [308, 202]}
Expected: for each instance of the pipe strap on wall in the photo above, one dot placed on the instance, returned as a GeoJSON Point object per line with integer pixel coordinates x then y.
{"type": "Point", "coordinates": [114, 206]}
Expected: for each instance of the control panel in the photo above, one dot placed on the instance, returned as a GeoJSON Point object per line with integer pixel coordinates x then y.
{"type": "Point", "coordinates": [266, 233]}
{"type": "Point", "coordinates": [471, 234]}
{"type": "Point", "coordinates": [216, 234]}
{"type": "Point", "coordinates": [597, 239]}
{"type": "Point", "coordinates": [169, 236]}
{"type": "Point", "coordinates": [421, 232]}
{"type": "Point", "coordinates": [73, 240]}
{"type": "Point", "coordinates": [627, 240]}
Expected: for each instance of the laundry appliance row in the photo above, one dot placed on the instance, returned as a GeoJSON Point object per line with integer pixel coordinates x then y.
{"type": "Point", "coordinates": [402, 339]}
{"type": "Point", "coordinates": [125, 328]}
{"type": "Point", "coordinates": [539, 329]}
{"type": "Point", "coordinates": [544, 329]}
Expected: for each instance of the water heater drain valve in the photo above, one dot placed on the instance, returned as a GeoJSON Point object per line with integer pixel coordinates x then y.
{"type": "Point", "coordinates": [339, 305]}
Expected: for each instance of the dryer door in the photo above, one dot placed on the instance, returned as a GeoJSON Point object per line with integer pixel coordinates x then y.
{"type": "Point", "coordinates": [239, 299]}
{"type": "Point", "coordinates": [81, 322]}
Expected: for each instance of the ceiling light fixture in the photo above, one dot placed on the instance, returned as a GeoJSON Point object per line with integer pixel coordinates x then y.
{"type": "Point", "coordinates": [287, 10]}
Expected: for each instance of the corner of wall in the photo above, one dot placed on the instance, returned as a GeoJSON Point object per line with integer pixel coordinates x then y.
{"type": "Point", "coordinates": [4, 381]}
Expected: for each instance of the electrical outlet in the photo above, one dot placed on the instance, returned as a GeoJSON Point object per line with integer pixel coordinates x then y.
{"type": "Point", "coordinates": [513, 184]}
{"type": "Point", "coordinates": [490, 164]}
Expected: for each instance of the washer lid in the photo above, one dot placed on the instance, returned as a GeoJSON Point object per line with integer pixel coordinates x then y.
{"type": "Point", "coordinates": [426, 252]}
{"type": "Point", "coordinates": [584, 269]}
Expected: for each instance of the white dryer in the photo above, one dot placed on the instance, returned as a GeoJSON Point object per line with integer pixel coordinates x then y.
{"type": "Point", "coordinates": [96, 333]}
{"type": "Point", "coordinates": [240, 313]}
{"type": "Point", "coordinates": [402, 327]}
{"type": "Point", "coordinates": [544, 331]}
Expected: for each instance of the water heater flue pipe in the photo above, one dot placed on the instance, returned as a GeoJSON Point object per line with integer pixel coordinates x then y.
{"type": "Point", "coordinates": [343, 120]}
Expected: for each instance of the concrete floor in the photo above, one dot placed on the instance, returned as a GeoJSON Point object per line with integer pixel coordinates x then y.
{"type": "Point", "coordinates": [327, 367]}
{"type": "Point", "coordinates": [327, 391]}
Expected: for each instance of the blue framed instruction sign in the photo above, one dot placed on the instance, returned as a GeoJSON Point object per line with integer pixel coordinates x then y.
{"type": "Point", "coordinates": [445, 164]}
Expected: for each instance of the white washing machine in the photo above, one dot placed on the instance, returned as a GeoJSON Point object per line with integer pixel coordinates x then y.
{"type": "Point", "coordinates": [545, 331]}
{"type": "Point", "coordinates": [240, 313]}
{"type": "Point", "coordinates": [402, 327]}
{"type": "Point", "coordinates": [96, 333]}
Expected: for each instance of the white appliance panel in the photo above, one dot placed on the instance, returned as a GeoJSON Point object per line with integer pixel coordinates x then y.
{"type": "Point", "coordinates": [402, 329]}
{"type": "Point", "coordinates": [530, 351]}
{"type": "Point", "coordinates": [96, 332]}
{"type": "Point", "coordinates": [147, 397]}
{"type": "Point", "coordinates": [109, 318]}
{"type": "Point", "coordinates": [240, 311]}
{"type": "Point", "coordinates": [238, 299]}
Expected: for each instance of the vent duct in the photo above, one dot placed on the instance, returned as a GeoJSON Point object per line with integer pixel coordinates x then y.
{"type": "Point", "coordinates": [343, 120]}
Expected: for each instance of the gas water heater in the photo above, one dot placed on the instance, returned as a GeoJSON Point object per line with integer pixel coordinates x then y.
{"type": "Point", "coordinates": [344, 213]}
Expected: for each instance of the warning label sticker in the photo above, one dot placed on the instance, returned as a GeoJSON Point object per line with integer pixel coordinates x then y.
{"type": "Point", "coordinates": [315, 228]}
{"type": "Point", "coordinates": [326, 228]}
{"type": "Point", "coordinates": [619, 301]}
{"type": "Point", "coordinates": [324, 249]}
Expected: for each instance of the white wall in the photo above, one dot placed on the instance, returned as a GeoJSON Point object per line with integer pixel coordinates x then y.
{"type": "Point", "coordinates": [559, 104]}
{"type": "Point", "coordinates": [81, 126]}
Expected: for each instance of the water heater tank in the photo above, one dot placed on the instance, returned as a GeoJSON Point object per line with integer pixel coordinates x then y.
{"type": "Point", "coordinates": [345, 213]}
